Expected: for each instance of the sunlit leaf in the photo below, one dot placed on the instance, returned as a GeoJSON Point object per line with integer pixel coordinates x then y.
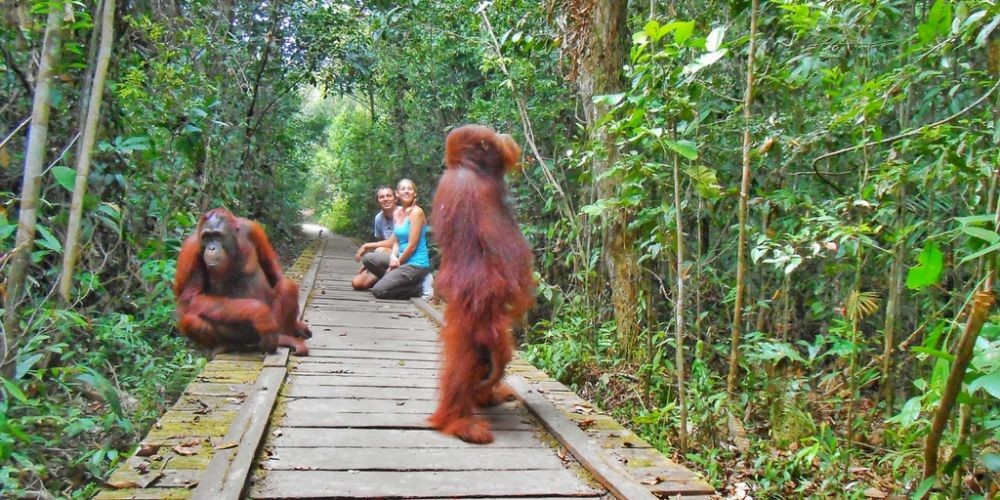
{"type": "Point", "coordinates": [714, 40]}
{"type": "Point", "coordinates": [990, 382]}
{"type": "Point", "coordinates": [929, 270]}
{"type": "Point", "coordinates": [986, 235]}
{"type": "Point", "coordinates": [65, 176]}
{"type": "Point", "coordinates": [684, 148]}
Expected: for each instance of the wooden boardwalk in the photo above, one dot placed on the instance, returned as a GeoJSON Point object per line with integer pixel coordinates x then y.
{"type": "Point", "coordinates": [349, 420]}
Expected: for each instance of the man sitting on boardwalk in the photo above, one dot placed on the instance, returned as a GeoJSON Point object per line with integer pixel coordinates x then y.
{"type": "Point", "coordinates": [383, 226]}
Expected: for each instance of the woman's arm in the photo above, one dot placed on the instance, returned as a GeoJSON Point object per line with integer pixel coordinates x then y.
{"type": "Point", "coordinates": [416, 225]}
{"type": "Point", "coordinates": [386, 243]}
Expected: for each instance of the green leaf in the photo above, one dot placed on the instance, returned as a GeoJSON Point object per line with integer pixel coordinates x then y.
{"type": "Point", "coordinates": [26, 364]}
{"type": "Point", "coordinates": [908, 414]}
{"type": "Point", "coordinates": [48, 239]}
{"type": "Point", "coordinates": [924, 487]}
{"type": "Point", "coordinates": [651, 28]}
{"type": "Point", "coordinates": [991, 461]}
{"type": "Point", "coordinates": [14, 390]}
{"type": "Point", "coordinates": [989, 382]}
{"type": "Point", "coordinates": [683, 31]}
{"type": "Point", "coordinates": [65, 176]}
{"type": "Point", "coordinates": [980, 253]}
{"type": "Point", "coordinates": [929, 271]}
{"type": "Point", "coordinates": [684, 148]}
{"type": "Point", "coordinates": [986, 235]}
{"type": "Point", "coordinates": [984, 34]}
{"type": "Point", "coordinates": [975, 219]}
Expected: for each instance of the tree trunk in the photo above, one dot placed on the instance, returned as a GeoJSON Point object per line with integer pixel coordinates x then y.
{"type": "Point", "coordinates": [679, 306]}
{"type": "Point", "coordinates": [34, 159]}
{"type": "Point", "coordinates": [600, 72]}
{"type": "Point", "coordinates": [894, 301]}
{"type": "Point", "coordinates": [963, 355]}
{"type": "Point", "coordinates": [741, 262]}
{"type": "Point", "coordinates": [86, 150]}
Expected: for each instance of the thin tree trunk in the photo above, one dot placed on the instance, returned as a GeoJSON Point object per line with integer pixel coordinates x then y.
{"type": "Point", "coordinates": [34, 159]}
{"type": "Point", "coordinates": [963, 355]}
{"type": "Point", "coordinates": [741, 265]}
{"type": "Point", "coordinates": [83, 160]}
{"type": "Point", "coordinates": [679, 305]}
{"type": "Point", "coordinates": [895, 297]}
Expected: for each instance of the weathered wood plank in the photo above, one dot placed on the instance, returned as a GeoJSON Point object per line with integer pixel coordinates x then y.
{"type": "Point", "coordinates": [391, 459]}
{"type": "Point", "coordinates": [447, 484]}
{"type": "Point", "coordinates": [383, 371]}
{"type": "Point", "coordinates": [392, 438]}
{"type": "Point", "coordinates": [329, 348]}
{"type": "Point", "coordinates": [390, 352]}
{"type": "Point", "coordinates": [358, 405]}
{"type": "Point", "coordinates": [357, 392]}
{"type": "Point", "coordinates": [611, 475]}
{"type": "Point", "coordinates": [393, 421]}
{"type": "Point", "coordinates": [227, 473]}
{"type": "Point", "coordinates": [394, 362]}
{"type": "Point", "coordinates": [361, 380]}
{"type": "Point", "coordinates": [144, 494]}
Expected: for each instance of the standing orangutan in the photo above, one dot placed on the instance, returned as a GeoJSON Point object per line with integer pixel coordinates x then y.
{"type": "Point", "coordinates": [230, 291]}
{"type": "Point", "coordinates": [485, 277]}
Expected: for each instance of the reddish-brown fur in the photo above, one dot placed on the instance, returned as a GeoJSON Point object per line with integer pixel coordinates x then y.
{"type": "Point", "coordinates": [485, 277]}
{"type": "Point", "coordinates": [242, 301]}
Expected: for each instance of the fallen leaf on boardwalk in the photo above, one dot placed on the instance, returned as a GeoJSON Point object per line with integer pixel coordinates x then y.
{"type": "Point", "coordinates": [189, 447]}
{"type": "Point", "coordinates": [304, 467]}
{"type": "Point", "coordinates": [141, 482]}
{"type": "Point", "coordinates": [277, 433]}
{"type": "Point", "coordinates": [402, 362]}
{"type": "Point", "coordinates": [581, 409]}
{"type": "Point", "coordinates": [583, 424]}
{"type": "Point", "coordinates": [651, 481]}
{"type": "Point", "coordinates": [142, 467]}
{"type": "Point", "coordinates": [226, 446]}
{"type": "Point", "coordinates": [628, 444]}
{"type": "Point", "coordinates": [185, 451]}
{"type": "Point", "coordinates": [147, 449]}
{"type": "Point", "coordinates": [400, 403]}
{"type": "Point", "coordinates": [875, 493]}
{"type": "Point", "coordinates": [562, 454]}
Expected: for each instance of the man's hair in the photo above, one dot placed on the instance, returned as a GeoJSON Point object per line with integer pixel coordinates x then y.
{"type": "Point", "coordinates": [384, 186]}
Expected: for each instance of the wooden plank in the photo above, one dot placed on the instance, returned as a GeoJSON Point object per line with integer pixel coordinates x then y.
{"type": "Point", "coordinates": [392, 438]}
{"type": "Point", "coordinates": [614, 477]}
{"type": "Point", "coordinates": [145, 494]}
{"type": "Point", "coordinates": [428, 310]}
{"type": "Point", "coordinates": [446, 484]}
{"type": "Point", "coordinates": [383, 334]}
{"type": "Point", "coordinates": [362, 380]}
{"type": "Point", "coordinates": [328, 348]}
{"type": "Point", "coordinates": [357, 405]}
{"type": "Point", "coordinates": [390, 352]}
{"type": "Point", "coordinates": [353, 391]}
{"type": "Point", "coordinates": [389, 420]}
{"type": "Point", "coordinates": [375, 371]}
{"type": "Point", "coordinates": [309, 279]}
{"type": "Point", "coordinates": [227, 473]}
{"type": "Point", "coordinates": [397, 362]}
{"type": "Point", "coordinates": [389, 459]}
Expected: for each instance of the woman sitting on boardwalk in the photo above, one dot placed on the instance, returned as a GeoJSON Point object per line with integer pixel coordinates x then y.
{"type": "Point", "coordinates": [402, 271]}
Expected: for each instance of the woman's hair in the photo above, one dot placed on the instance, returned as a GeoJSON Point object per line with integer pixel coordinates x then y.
{"type": "Point", "coordinates": [401, 181]}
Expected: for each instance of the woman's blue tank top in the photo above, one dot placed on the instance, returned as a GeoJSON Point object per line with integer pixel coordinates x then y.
{"type": "Point", "coordinates": [419, 258]}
